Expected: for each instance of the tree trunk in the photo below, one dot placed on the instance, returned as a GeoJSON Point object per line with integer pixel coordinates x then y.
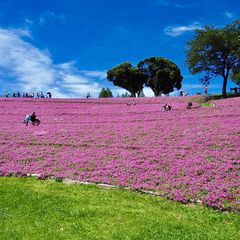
{"type": "Point", "coordinates": [224, 87]}
{"type": "Point", "coordinates": [157, 93]}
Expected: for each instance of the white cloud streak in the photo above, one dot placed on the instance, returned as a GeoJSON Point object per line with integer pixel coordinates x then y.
{"type": "Point", "coordinates": [228, 15]}
{"type": "Point", "coordinates": [179, 30]}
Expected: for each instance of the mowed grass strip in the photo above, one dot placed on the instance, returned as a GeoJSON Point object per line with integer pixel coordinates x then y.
{"type": "Point", "coordinates": [34, 209]}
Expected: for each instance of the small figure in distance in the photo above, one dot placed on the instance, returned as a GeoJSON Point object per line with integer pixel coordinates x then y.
{"type": "Point", "coordinates": [166, 107]}
{"type": "Point", "coordinates": [189, 105]}
{"type": "Point", "coordinates": [49, 94]}
{"type": "Point", "coordinates": [131, 104]}
{"type": "Point", "coordinates": [213, 104]}
{"type": "Point", "coordinates": [205, 89]}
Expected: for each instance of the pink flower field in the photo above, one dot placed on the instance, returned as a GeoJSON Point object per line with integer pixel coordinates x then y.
{"type": "Point", "coordinates": [185, 155]}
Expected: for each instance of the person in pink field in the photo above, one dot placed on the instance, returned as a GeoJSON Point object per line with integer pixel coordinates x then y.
{"type": "Point", "coordinates": [166, 107]}
{"type": "Point", "coordinates": [27, 118]}
{"type": "Point", "coordinates": [33, 118]}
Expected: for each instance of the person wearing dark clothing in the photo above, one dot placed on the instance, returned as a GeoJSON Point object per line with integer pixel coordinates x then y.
{"type": "Point", "coordinates": [189, 105]}
{"type": "Point", "coordinates": [49, 94]}
{"type": "Point", "coordinates": [33, 117]}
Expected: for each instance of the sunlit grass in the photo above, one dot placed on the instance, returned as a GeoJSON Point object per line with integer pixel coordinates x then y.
{"type": "Point", "coordinates": [34, 209]}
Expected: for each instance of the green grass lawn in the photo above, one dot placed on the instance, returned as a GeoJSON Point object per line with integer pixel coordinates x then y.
{"type": "Point", "coordinates": [34, 209]}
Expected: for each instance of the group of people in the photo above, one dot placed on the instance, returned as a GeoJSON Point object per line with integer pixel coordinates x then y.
{"type": "Point", "coordinates": [166, 107]}
{"type": "Point", "coordinates": [35, 121]}
{"type": "Point", "coordinates": [183, 93]}
{"type": "Point", "coordinates": [33, 118]}
{"type": "Point", "coordinates": [29, 94]}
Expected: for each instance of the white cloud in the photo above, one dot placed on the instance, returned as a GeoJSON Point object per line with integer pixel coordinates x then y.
{"type": "Point", "coordinates": [25, 67]}
{"type": "Point", "coordinates": [192, 86]}
{"type": "Point", "coordinates": [58, 94]}
{"type": "Point", "coordinates": [28, 21]}
{"type": "Point", "coordinates": [117, 91]}
{"type": "Point", "coordinates": [74, 79]}
{"type": "Point", "coordinates": [179, 30]}
{"type": "Point", "coordinates": [148, 92]}
{"type": "Point", "coordinates": [199, 86]}
{"type": "Point", "coordinates": [228, 14]}
{"type": "Point", "coordinates": [95, 74]}
{"type": "Point", "coordinates": [81, 90]}
{"type": "Point", "coordinates": [28, 64]}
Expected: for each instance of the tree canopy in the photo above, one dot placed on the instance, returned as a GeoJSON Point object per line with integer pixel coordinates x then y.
{"type": "Point", "coordinates": [162, 75]}
{"type": "Point", "coordinates": [105, 93]}
{"type": "Point", "coordinates": [235, 76]}
{"type": "Point", "coordinates": [214, 52]}
{"type": "Point", "coordinates": [127, 77]}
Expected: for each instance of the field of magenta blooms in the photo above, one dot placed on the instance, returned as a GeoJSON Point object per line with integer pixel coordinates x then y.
{"type": "Point", "coordinates": [184, 155]}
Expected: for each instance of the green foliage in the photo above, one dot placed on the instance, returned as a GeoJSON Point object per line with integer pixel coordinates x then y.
{"type": "Point", "coordinates": [162, 75]}
{"type": "Point", "coordinates": [202, 99]}
{"type": "Point", "coordinates": [125, 95]}
{"type": "Point", "coordinates": [206, 98]}
{"type": "Point", "coordinates": [127, 77]}
{"type": "Point", "coordinates": [105, 93]}
{"type": "Point", "coordinates": [206, 105]}
{"type": "Point", "coordinates": [33, 209]}
{"type": "Point", "coordinates": [214, 52]}
{"type": "Point", "coordinates": [235, 76]}
{"type": "Point", "coordinates": [59, 180]}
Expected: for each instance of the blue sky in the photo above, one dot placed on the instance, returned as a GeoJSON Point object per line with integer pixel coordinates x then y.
{"type": "Point", "coordinates": [67, 46]}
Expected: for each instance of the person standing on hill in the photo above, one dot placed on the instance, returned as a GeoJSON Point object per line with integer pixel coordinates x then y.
{"type": "Point", "coordinates": [205, 90]}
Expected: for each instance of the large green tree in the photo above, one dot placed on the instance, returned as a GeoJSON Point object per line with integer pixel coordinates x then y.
{"type": "Point", "coordinates": [162, 75]}
{"type": "Point", "coordinates": [127, 77]}
{"type": "Point", "coordinates": [214, 52]}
